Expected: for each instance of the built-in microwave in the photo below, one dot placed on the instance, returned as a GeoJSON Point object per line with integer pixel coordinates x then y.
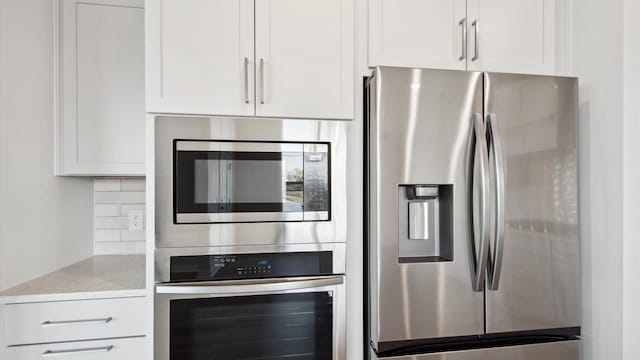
{"type": "Point", "coordinates": [244, 181]}
{"type": "Point", "coordinates": [228, 181]}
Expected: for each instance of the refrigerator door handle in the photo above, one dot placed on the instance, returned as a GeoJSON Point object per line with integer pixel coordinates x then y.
{"type": "Point", "coordinates": [494, 267]}
{"type": "Point", "coordinates": [478, 147]}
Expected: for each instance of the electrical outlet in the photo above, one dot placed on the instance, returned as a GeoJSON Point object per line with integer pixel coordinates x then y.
{"type": "Point", "coordinates": [136, 220]}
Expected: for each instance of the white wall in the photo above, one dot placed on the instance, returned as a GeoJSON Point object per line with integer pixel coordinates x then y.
{"type": "Point", "coordinates": [597, 57]}
{"type": "Point", "coordinates": [631, 178]}
{"type": "Point", "coordinates": [607, 60]}
{"type": "Point", "coordinates": [45, 222]}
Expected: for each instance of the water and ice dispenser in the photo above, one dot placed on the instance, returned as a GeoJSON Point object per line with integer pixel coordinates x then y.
{"type": "Point", "coordinates": [425, 214]}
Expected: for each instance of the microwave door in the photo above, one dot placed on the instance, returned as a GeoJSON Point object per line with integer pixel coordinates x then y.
{"type": "Point", "coordinates": [220, 182]}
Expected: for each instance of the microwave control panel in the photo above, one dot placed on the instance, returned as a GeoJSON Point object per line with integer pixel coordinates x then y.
{"type": "Point", "coordinates": [316, 181]}
{"type": "Point", "coordinates": [250, 266]}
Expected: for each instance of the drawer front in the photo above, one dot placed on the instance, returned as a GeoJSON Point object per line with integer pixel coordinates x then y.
{"type": "Point", "coordinates": [36, 323]}
{"type": "Point", "coordinates": [116, 349]}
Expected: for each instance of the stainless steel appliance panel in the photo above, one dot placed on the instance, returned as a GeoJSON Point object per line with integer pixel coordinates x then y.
{"type": "Point", "coordinates": [534, 280]}
{"type": "Point", "coordinates": [244, 290]}
{"type": "Point", "coordinates": [274, 230]}
{"type": "Point", "coordinates": [419, 133]}
{"type": "Point", "coordinates": [566, 350]}
{"type": "Point", "coordinates": [163, 256]}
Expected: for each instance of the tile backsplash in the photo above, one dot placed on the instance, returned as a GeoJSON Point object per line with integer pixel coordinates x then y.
{"type": "Point", "coordinates": [113, 199]}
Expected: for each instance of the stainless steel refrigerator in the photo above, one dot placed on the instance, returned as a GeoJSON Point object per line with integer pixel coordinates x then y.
{"type": "Point", "coordinates": [472, 224]}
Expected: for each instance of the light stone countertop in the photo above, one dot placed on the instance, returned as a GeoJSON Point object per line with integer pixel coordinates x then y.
{"type": "Point", "coordinates": [102, 276]}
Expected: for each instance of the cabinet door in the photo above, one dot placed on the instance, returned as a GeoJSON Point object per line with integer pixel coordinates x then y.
{"type": "Point", "coordinates": [513, 36]}
{"type": "Point", "coordinates": [200, 57]}
{"type": "Point", "coordinates": [417, 33]}
{"type": "Point", "coordinates": [304, 58]}
{"type": "Point", "coordinates": [102, 117]}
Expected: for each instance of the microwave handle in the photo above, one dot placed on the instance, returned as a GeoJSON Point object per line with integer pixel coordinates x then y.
{"type": "Point", "coordinates": [250, 286]}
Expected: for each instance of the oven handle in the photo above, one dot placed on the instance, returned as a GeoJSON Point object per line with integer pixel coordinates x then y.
{"type": "Point", "coordinates": [250, 286]}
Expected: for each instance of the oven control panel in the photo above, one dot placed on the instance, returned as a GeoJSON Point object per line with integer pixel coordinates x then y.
{"type": "Point", "coordinates": [250, 266]}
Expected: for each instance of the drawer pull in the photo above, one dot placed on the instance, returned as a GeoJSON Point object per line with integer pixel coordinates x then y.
{"type": "Point", "coordinates": [76, 322]}
{"type": "Point", "coordinates": [76, 351]}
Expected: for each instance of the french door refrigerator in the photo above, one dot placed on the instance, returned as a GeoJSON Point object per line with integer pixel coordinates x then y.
{"type": "Point", "coordinates": [471, 216]}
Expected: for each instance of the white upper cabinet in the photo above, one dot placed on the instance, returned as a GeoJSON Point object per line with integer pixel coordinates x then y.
{"type": "Point", "coordinates": [101, 115]}
{"type": "Point", "coordinates": [417, 33]}
{"type": "Point", "coordinates": [517, 36]}
{"type": "Point", "coordinates": [200, 57]}
{"type": "Point", "coordinates": [201, 60]}
{"type": "Point", "coordinates": [513, 36]}
{"type": "Point", "coordinates": [304, 57]}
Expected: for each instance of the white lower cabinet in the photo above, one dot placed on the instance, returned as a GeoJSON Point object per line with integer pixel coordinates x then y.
{"type": "Point", "coordinates": [113, 328]}
{"type": "Point", "coordinates": [36, 323]}
{"type": "Point", "coordinates": [110, 349]}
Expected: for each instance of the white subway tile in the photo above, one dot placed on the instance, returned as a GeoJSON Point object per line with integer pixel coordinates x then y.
{"type": "Point", "coordinates": [113, 199]}
{"type": "Point", "coordinates": [132, 235]}
{"type": "Point", "coordinates": [119, 248]}
{"type": "Point", "coordinates": [129, 197]}
{"type": "Point", "coordinates": [107, 210]}
{"type": "Point", "coordinates": [124, 209]}
{"type": "Point", "coordinates": [111, 223]}
{"type": "Point", "coordinates": [107, 235]}
{"type": "Point", "coordinates": [100, 184]}
{"type": "Point", "coordinates": [133, 184]}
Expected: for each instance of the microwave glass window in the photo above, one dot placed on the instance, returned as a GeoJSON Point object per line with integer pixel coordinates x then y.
{"type": "Point", "coordinates": [219, 179]}
{"type": "Point", "coordinates": [279, 326]}
{"type": "Point", "coordinates": [277, 183]}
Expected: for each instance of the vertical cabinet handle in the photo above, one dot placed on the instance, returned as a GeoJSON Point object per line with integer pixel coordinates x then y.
{"type": "Point", "coordinates": [463, 24]}
{"type": "Point", "coordinates": [246, 80]}
{"type": "Point", "coordinates": [262, 81]}
{"type": "Point", "coordinates": [476, 30]}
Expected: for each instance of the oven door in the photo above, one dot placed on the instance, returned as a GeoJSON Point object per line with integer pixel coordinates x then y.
{"type": "Point", "coordinates": [291, 318]}
{"type": "Point", "coordinates": [235, 181]}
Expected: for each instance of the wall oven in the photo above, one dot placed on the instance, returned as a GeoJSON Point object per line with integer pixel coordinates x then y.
{"type": "Point", "coordinates": [235, 181]}
{"type": "Point", "coordinates": [233, 303]}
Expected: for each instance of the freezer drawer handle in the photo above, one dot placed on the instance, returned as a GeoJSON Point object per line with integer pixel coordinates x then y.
{"type": "Point", "coordinates": [478, 147]}
{"type": "Point", "coordinates": [49, 353]}
{"type": "Point", "coordinates": [495, 153]}
{"type": "Point", "coordinates": [250, 286]}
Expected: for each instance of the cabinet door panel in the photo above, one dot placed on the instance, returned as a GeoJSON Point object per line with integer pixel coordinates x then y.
{"type": "Point", "coordinates": [102, 92]}
{"type": "Point", "coordinates": [306, 50]}
{"type": "Point", "coordinates": [417, 33]}
{"type": "Point", "coordinates": [517, 36]}
{"type": "Point", "coordinates": [196, 51]}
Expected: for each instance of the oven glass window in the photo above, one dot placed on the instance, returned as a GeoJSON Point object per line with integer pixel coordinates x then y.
{"type": "Point", "coordinates": [294, 326]}
{"type": "Point", "coordinates": [219, 181]}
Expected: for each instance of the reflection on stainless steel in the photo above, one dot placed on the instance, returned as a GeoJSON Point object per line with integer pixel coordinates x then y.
{"type": "Point", "coordinates": [540, 275]}
{"type": "Point", "coordinates": [549, 351]}
{"type": "Point", "coordinates": [413, 134]}
{"type": "Point", "coordinates": [169, 234]}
